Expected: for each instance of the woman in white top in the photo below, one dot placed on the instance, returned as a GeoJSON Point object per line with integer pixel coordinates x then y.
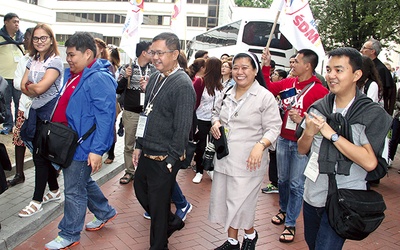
{"type": "Point", "coordinates": [370, 83]}
{"type": "Point", "coordinates": [207, 90]}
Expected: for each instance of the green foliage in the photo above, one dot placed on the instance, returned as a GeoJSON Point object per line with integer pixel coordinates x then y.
{"type": "Point", "coordinates": [254, 3]}
{"type": "Point", "coordinates": [352, 22]}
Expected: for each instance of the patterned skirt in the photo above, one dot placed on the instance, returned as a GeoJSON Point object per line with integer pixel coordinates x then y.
{"type": "Point", "coordinates": [17, 129]}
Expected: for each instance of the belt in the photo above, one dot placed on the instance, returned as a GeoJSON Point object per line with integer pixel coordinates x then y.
{"type": "Point", "coordinates": [162, 157]}
{"type": "Point", "coordinates": [156, 157]}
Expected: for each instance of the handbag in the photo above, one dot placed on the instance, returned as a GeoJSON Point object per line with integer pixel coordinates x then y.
{"type": "Point", "coordinates": [354, 214]}
{"type": "Point", "coordinates": [4, 159]}
{"type": "Point", "coordinates": [57, 142]}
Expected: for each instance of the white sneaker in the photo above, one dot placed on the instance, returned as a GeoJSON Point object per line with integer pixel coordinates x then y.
{"type": "Point", "coordinates": [197, 178]}
{"type": "Point", "coordinates": [211, 174]}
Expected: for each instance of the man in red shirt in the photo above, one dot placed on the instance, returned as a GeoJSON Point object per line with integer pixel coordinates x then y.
{"type": "Point", "coordinates": [297, 94]}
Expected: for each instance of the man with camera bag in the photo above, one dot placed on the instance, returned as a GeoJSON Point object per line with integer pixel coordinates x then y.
{"type": "Point", "coordinates": [347, 128]}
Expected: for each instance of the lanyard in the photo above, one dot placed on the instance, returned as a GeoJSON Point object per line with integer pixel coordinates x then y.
{"type": "Point", "coordinates": [344, 112]}
{"type": "Point", "coordinates": [235, 111]}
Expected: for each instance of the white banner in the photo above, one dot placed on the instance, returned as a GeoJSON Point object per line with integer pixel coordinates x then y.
{"type": "Point", "coordinates": [178, 18]}
{"type": "Point", "coordinates": [297, 24]}
{"type": "Point", "coordinates": [130, 33]}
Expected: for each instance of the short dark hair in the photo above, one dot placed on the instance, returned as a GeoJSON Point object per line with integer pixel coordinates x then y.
{"type": "Point", "coordinates": [10, 16]}
{"type": "Point", "coordinates": [82, 41]}
{"type": "Point", "coordinates": [281, 73]}
{"type": "Point", "coordinates": [272, 64]}
{"type": "Point", "coordinates": [171, 40]}
{"type": "Point", "coordinates": [355, 58]}
{"type": "Point", "coordinates": [309, 56]}
{"type": "Point", "coordinates": [200, 53]}
{"type": "Point", "coordinates": [142, 46]}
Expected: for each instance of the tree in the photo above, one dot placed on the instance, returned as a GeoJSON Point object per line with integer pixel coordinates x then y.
{"type": "Point", "coordinates": [352, 22]}
{"type": "Point", "coordinates": [254, 3]}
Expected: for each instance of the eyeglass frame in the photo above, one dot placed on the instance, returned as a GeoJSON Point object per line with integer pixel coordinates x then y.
{"type": "Point", "coordinates": [363, 47]}
{"type": "Point", "coordinates": [159, 53]}
{"type": "Point", "coordinates": [43, 39]}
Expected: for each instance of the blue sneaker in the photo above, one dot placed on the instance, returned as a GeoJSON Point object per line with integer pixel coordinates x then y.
{"type": "Point", "coordinates": [5, 131]}
{"type": "Point", "coordinates": [184, 211]}
{"type": "Point", "coordinates": [97, 224]}
{"type": "Point", "coordinates": [146, 215]}
{"type": "Point", "coordinates": [60, 243]}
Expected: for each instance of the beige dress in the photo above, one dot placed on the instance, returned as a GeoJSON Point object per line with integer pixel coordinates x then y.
{"type": "Point", "coordinates": [235, 190]}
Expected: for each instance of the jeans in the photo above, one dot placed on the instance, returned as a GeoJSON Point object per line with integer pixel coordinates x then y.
{"type": "Point", "coordinates": [291, 179]}
{"type": "Point", "coordinates": [177, 197]}
{"type": "Point", "coordinates": [318, 233]}
{"type": "Point", "coordinates": [81, 192]}
{"type": "Point", "coordinates": [11, 94]}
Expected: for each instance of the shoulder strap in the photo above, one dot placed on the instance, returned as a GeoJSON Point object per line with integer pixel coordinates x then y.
{"type": "Point", "coordinates": [86, 135]}
{"type": "Point", "coordinates": [366, 86]}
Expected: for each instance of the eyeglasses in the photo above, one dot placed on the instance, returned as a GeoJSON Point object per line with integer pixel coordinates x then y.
{"type": "Point", "coordinates": [363, 47]}
{"type": "Point", "coordinates": [275, 74]}
{"type": "Point", "coordinates": [159, 53]}
{"type": "Point", "coordinates": [43, 39]}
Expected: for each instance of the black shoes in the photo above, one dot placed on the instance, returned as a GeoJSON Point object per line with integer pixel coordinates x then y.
{"type": "Point", "coordinates": [18, 178]}
{"type": "Point", "coordinates": [228, 246]}
{"type": "Point", "coordinates": [176, 225]}
{"type": "Point", "coordinates": [249, 244]}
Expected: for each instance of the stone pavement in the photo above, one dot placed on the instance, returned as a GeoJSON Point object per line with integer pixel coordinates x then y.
{"type": "Point", "coordinates": [131, 231]}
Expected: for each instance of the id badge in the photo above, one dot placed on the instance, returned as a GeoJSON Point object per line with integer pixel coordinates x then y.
{"type": "Point", "coordinates": [312, 168]}
{"type": "Point", "coordinates": [291, 125]}
{"type": "Point", "coordinates": [142, 96]}
{"type": "Point", "coordinates": [141, 127]}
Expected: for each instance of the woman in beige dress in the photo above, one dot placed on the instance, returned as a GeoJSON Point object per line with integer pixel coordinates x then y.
{"type": "Point", "coordinates": [250, 116]}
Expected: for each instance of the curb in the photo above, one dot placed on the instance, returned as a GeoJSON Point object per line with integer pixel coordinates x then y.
{"type": "Point", "coordinates": [17, 230]}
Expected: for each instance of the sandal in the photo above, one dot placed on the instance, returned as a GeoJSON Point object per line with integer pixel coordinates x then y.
{"type": "Point", "coordinates": [279, 218]}
{"type": "Point", "coordinates": [126, 178]}
{"type": "Point", "coordinates": [50, 196]}
{"type": "Point", "coordinates": [108, 161]}
{"type": "Point", "coordinates": [289, 231]}
{"type": "Point", "coordinates": [31, 209]}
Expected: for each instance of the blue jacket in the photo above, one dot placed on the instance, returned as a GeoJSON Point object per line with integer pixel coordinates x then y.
{"type": "Point", "coordinates": [93, 101]}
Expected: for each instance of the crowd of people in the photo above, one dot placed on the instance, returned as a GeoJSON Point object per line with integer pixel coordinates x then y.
{"type": "Point", "coordinates": [248, 116]}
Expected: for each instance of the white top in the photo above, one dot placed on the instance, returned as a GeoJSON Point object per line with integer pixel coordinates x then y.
{"type": "Point", "coordinates": [206, 106]}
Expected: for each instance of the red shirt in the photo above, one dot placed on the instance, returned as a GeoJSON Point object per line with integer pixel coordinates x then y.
{"type": "Point", "coordinates": [314, 93]}
{"type": "Point", "coordinates": [60, 112]}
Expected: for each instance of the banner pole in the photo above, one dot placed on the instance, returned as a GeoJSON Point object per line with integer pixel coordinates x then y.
{"type": "Point", "coordinates": [273, 29]}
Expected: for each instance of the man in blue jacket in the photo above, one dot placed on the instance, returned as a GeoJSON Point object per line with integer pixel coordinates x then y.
{"type": "Point", "coordinates": [88, 99]}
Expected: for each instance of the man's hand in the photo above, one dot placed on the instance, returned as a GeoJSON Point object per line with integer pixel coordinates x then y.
{"type": "Point", "coordinates": [266, 58]}
{"type": "Point", "coordinates": [128, 72]}
{"type": "Point", "coordinates": [135, 157]}
{"type": "Point", "coordinates": [94, 160]}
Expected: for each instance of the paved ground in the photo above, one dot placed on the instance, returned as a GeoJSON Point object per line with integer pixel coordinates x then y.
{"type": "Point", "coordinates": [131, 231]}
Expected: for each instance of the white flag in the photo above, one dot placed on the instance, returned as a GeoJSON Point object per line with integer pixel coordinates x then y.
{"type": "Point", "coordinates": [130, 33]}
{"type": "Point", "coordinates": [178, 18]}
{"type": "Point", "coordinates": [297, 24]}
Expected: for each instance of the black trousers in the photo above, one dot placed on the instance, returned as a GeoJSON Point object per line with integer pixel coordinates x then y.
{"type": "Point", "coordinates": [273, 168]}
{"type": "Point", "coordinates": [201, 136]}
{"type": "Point", "coordinates": [153, 185]}
{"type": "Point", "coordinates": [44, 172]}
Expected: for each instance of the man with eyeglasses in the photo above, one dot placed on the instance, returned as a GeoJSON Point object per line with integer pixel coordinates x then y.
{"type": "Point", "coordinates": [162, 135]}
{"type": "Point", "coordinates": [372, 48]}
{"type": "Point", "coordinates": [11, 51]}
{"type": "Point", "coordinates": [133, 91]}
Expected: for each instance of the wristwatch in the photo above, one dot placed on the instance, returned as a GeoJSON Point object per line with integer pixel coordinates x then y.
{"type": "Point", "coordinates": [334, 137]}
